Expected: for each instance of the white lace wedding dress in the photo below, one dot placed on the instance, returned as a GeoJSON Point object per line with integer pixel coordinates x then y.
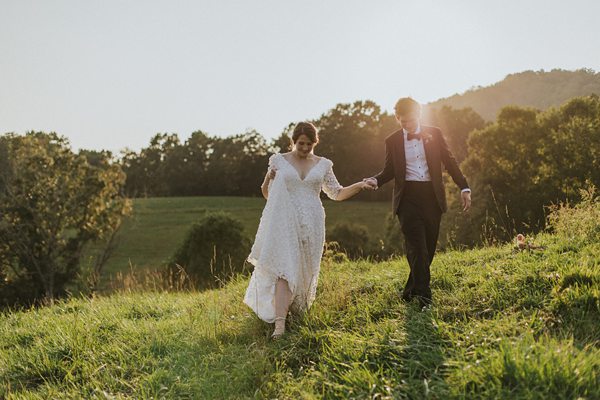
{"type": "Point", "coordinates": [290, 237]}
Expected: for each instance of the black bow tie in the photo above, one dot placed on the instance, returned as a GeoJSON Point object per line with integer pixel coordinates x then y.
{"type": "Point", "coordinates": [411, 136]}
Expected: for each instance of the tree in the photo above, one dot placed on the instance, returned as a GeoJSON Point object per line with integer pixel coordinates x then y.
{"type": "Point", "coordinates": [571, 147]}
{"type": "Point", "coordinates": [96, 158]}
{"type": "Point", "coordinates": [237, 164]}
{"type": "Point", "coordinates": [198, 148]}
{"type": "Point", "coordinates": [352, 136]}
{"type": "Point", "coordinates": [282, 143]}
{"type": "Point", "coordinates": [348, 136]}
{"type": "Point", "coordinates": [456, 126]}
{"type": "Point", "coordinates": [504, 167]}
{"type": "Point", "coordinates": [52, 203]}
{"type": "Point", "coordinates": [528, 160]}
{"type": "Point", "coordinates": [146, 175]}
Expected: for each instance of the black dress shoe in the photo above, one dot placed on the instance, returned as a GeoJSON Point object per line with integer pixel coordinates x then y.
{"type": "Point", "coordinates": [407, 297]}
{"type": "Point", "coordinates": [423, 301]}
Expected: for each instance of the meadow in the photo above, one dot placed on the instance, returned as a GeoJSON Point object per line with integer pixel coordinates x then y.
{"type": "Point", "coordinates": [505, 324]}
{"type": "Point", "coordinates": [158, 225]}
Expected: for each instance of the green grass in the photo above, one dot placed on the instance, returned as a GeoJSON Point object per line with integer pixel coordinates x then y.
{"type": "Point", "coordinates": [504, 325]}
{"type": "Point", "coordinates": [150, 236]}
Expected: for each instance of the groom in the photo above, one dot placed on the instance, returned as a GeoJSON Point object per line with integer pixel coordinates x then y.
{"type": "Point", "coordinates": [414, 158]}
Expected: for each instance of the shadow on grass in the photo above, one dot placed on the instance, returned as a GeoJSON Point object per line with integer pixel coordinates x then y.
{"type": "Point", "coordinates": [425, 367]}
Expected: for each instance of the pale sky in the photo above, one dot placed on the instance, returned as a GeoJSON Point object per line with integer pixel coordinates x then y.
{"type": "Point", "coordinates": [110, 74]}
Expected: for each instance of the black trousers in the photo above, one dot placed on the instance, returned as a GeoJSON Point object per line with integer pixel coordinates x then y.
{"type": "Point", "coordinates": [420, 215]}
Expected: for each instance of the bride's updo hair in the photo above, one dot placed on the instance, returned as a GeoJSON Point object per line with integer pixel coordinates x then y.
{"type": "Point", "coordinates": [305, 128]}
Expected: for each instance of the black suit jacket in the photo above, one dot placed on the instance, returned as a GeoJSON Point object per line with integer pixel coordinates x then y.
{"type": "Point", "coordinates": [436, 152]}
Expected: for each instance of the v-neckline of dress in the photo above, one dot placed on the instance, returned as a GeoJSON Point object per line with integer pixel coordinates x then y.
{"type": "Point", "coordinates": [298, 173]}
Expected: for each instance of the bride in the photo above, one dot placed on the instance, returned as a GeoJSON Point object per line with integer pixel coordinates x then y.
{"type": "Point", "coordinates": [287, 250]}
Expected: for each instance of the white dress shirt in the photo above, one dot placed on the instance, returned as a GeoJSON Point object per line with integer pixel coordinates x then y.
{"type": "Point", "coordinates": [416, 163]}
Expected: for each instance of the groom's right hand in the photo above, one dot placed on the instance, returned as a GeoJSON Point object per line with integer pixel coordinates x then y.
{"type": "Point", "coordinates": [371, 182]}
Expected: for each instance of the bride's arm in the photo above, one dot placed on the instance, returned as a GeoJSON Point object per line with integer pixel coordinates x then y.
{"type": "Point", "coordinates": [335, 191]}
{"type": "Point", "coordinates": [349, 191]}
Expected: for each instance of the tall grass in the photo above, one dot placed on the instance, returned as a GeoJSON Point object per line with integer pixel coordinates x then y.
{"type": "Point", "coordinates": [580, 222]}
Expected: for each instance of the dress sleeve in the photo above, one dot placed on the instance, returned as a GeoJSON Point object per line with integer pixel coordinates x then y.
{"type": "Point", "coordinates": [331, 186]}
{"type": "Point", "coordinates": [272, 160]}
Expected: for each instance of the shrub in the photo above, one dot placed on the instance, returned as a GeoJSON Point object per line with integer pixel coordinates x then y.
{"type": "Point", "coordinates": [352, 238]}
{"type": "Point", "coordinates": [213, 250]}
{"type": "Point", "coordinates": [333, 253]}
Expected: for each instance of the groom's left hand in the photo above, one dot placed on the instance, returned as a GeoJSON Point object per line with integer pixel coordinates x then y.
{"type": "Point", "coordinates": [466, 200]}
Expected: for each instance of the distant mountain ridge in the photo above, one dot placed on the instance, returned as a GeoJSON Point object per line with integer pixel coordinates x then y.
{"type": "Point", "coordinates": [537, 89]}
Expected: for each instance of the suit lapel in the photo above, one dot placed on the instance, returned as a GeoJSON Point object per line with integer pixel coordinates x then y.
{"type": "Point", "coordinates": [401, 154]}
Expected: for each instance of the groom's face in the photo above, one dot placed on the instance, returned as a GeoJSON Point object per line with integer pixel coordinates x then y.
{"type": "Point", "coordinates": [409, 121]}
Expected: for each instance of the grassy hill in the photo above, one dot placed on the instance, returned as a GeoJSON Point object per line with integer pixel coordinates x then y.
{"type": "Point", "coordinates": [537, 89]}
{"type": "Point", "coordinates": [504, 325]}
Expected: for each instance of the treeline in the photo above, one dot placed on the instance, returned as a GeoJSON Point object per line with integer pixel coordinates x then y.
{"type": "Point", "coordinates": [351, 135]}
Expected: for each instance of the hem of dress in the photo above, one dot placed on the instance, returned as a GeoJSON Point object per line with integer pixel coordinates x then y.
{"type": "Point", "coordinates": [297, 305]}
{"type": "Point", "coordinates": [274, 276]}
{"type": "Point", "coordinates": [267, 320]}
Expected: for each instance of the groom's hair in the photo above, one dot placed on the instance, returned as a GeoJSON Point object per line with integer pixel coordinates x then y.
{"type": "Point", "coordinates": [406, 105]}
{"type": "Point", "coordinates": [305, 128]}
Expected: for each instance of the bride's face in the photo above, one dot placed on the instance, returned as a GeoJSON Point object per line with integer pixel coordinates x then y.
{"type": "Point", "coordinates": [304, 146]}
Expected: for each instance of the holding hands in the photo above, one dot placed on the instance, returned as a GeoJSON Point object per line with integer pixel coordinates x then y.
{"type": "Point", "coordinates": [371, 183]}
{"type": "Point", "coordinates": [366, 185]}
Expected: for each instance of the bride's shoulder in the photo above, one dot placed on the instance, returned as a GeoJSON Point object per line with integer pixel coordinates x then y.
{"type": "Point", "coordinates": [274, 157]}
{"type": "Point", "coordinates": [325, 160]}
